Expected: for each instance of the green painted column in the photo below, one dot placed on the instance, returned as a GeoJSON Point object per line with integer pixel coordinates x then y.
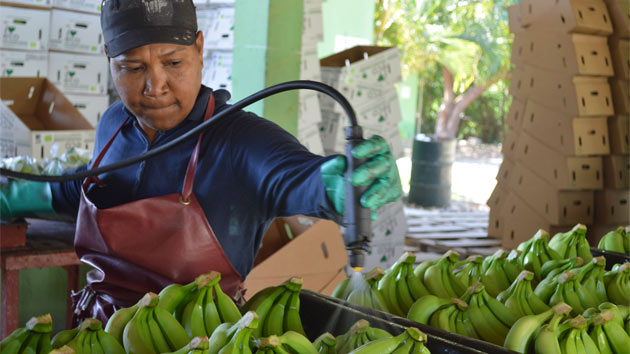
{"type": "Point", "coordinates": [267, 51]}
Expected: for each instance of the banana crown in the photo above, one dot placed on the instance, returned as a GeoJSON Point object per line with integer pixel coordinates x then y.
{"type": "Point", "coordinates": [40, 324]}
{"type": "Point", "coordinates": [603, 318]}
{"type": "Point", "coordinates": [416, 334]}
{"type": "Point", "coordinates": [268, 342]}
{"type": "Point", "coordinates": [200, 342]}
{"type": "Point", "coordinates": [63, 350]}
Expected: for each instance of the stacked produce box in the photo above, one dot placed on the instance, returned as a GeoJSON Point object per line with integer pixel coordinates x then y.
{"type": "Point", "coordinates": [558, 135]}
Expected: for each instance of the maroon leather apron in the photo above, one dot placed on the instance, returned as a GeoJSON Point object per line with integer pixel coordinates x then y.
{"type": "Point", "coordinates": [145, 245]}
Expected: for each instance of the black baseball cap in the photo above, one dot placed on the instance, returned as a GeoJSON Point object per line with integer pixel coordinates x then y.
{"type": "Point", "coordinates": [128, 24]}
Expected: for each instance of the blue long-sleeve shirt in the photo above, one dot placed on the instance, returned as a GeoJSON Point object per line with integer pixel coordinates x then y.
{"type": "Point", "coordinates": [249, 172]}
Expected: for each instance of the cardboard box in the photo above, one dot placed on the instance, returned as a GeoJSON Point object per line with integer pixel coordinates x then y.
{"type": "Point", "coordinates": [217, 72]}
{"type": "Point", "coordinates": [38, 3]}
{"type": "Point", "coordinates": [620, 15]}
{"type": "Point", "coordinates": [620, 52]}
{"type": "Point", "coordinates": [309, 67]}
{"type": "Point", "coordinates": [619, 134]}
{"type": "Point", "coordinates": [517, 84]}
{"type": "Point", "coordinates": [570, 173]}
{"type": "Point", "coordinates": [312, 24]}
{"type": "Point", "coordinates": [72, 33]}
{"type": "Point", "coordinates": [612, 206]}
{"type": "Point", "coordinates": [617, 171]}
{"type": "Point", "coordinates": [309, 112]}
{"type": "Point", "coordinates": [567, 135]}
{"type": "Point", "coordinates": [568, 16]}
{"type": "Point", "coordinates": [522, 222]}
{"type": "Point", "coordinates": [329, 76]}
{"type": "Point", "coordinates": [514, 19]}
{"type": "Point", "coordinates": [316, 253]}
{"type": "Point", "coordinates": [23, 64]}
{"type": "Point", "coordinates": [93, 6]}
{"type": "Point", "coordinates": [24, 29]}
{"type": "Point", "coordinates": [383, 255]}
{"type": "Point", "coordinates": [569, 53]}
{"type": "Point", "coordinates": [328, 130]}
{"type": "Point", "coordinates": [518, 48]}
{"type": "Point", "coordinates": [575, 95]}
{"type": "Point", "coordinates": [620, 95]}
{"type": "Point", "coordinates": [515, 115]}
{"type": "Point", "coordinates": [366, 65]}
{"type": "Point", "coordinates": [310, 138]}
{"type": "Point", "coordinates": [77, 73]}
{"type": "Point", "coordinates": [220, 34]}
{"type": "Point", "coordinates": [508, 149]}
{"type": "Point", "coordinates": [504, 175]}
{"type": "Point", "coordinates": [91, 107]}
{"type": "Point", "coordinates": [390, 225]}
{"type": "Point", "coordinates": [384, 111]}
{"type": "Point", "coordinates": [38, 116]}
{"type": "Point", "coordinates": [556, 206]}
{"type": "Point", "coordinates": [495, 202]}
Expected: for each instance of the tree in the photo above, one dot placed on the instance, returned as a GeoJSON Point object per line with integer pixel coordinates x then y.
{"type": "Point", "coordinates": [468, 39]}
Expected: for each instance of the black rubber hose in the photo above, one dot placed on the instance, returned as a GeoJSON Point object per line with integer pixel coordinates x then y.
{"type": "Point", "coordinates": [262, 94]}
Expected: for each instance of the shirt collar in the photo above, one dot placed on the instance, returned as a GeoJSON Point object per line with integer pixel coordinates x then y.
{"type": "Point", "coordinates": [196, 115]}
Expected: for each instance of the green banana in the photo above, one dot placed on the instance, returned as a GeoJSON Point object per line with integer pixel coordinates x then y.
{"type": "Point", "coordinates": [614, 241]}
{"type": "Point", "coordinates": [422, 309]}
{"type": "Point", "coordinates": [116, 324]}
{"type": "Point", "coordinates": [240, 339]}
{"type": "Point", "coordinates": [325, 343]}
{"type": "Point", "coordinates": [494, 277]}
{"type": "Point", "coordinates": [521, 336]}
{"type": "Point", "coordinates": [589, 344]}
{"type": "Point", "coordinates": [221, 336]}
{"type": "Point", "coordinates": [297, 343]}
{"type": "Point", "coordinates": [547, 341]}
{"type": "Point", "coordinates": [173, 331]}
{"type": "Point", "coordinates": [32, 343]}
{"type": "Point", "coordinates": [292, 320]}
{"type": "Point", "coordinates": [174, 295]}
{"type": "Point", "coordinates": [572, 243]}
{"type": "Point", "coordinates": [387, 287]}
{"type": "Point", "coordinates": [385, 345]}
{"type": "Point", "coordinates": [618, 339]}
{"type": "Point", "coordinates": [470, 271]}
{"type": "Point", "coordinates": [274, 323]}
{"type": "Point", "coordinates": [63, 337]}
{"type": "Point", "coordinates": [109, 344]}
{"type": "Point", "coordinates": [227, 308]}
{"type": "Point", "coordinates": [197, 345]}
{"type": "Point", "coordinates": [618, 288]}
{"type": "Point", "coordinates": [13, 342]}
{"type": "Point", "coordinates": [360, 330]}
{"type": "Point", "coordinates": [439, 278]}
{"type": "Point", "coordinates": [341, 290]}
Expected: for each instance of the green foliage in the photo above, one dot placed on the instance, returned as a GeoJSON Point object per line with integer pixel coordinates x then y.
{"type": "Point", "coordinates": [469, 37]}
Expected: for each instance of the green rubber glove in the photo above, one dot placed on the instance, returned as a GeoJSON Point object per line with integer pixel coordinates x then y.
{"type": "Point", "coordinates": [379, 172]}
{"type": "Point", "coordinates": [22, 198]}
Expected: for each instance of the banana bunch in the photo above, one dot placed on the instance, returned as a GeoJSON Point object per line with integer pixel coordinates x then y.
{"type": "Point", "coordinates": [439, 278]}
{"type": "Point", "coordinates": [490, 319]}
{"type": "Point", "coordinates": [400, 287]}
{"type": "Point", "coordinates": [571, 291]}
{"type": "Point", "coordinates": [198, 345]}
{"type": "Point", "coordinates": [469, 271]}
{"type": "Point", "coordinates": [410, 341]}
{"type": "Point", "coordinates": [153, 329]}
{"type": "Point", "coordinates": [618, 284]}
{"type": "Point", "coordinates": [548, 285]}
{"type": "Point", "coordinates": [572, 243]}
{"type": "Point", "coordinates": [87, 338]}
{"type": "Point", "coordinates": [325, 344]}
{"type": "Point", "coordinates": [555, 267]}
{"type": "Point", "coordinates": [576, 338]}
{"type": "Point", "coordinates": [616, 240]}
{"type": "Point", "coordinates": [608, 335]}
{"type": "Point", "coordinates": [206, 308]}
{"type": "Point", "coordinates": [278, 308]}
{"type": "Point", "coordinates": [591, 275]}
{"type": "Point", "coordinates": [454, 318]}
{"type": "Point", "coordinates": [234, 337]}
{"type": "Point", "coordinates": [536, 252]}
{"type": "Point", "coordinates": [522, 335]}
{"type": "Point", "coordinates": [33, 338]}
{"type": "Point", "coordinates": [422, 310]}
{"type": "Point", "coordinates": [498, 272]}
{"type": "Point", "coordinates": [620, 312]}
{"type": "Point", "coordinates": [363, 291]}
{"type": "Point", "coordinates": [520, 297]}
{"type": "Point", "coordinates": [290, 342]}
{"type": "Point", "coordinates": [548, 338]}
{"type": "Point", "coordinates": [359, 334]}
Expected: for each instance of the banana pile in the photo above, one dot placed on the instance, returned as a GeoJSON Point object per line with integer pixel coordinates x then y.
{"type": "Point", "coordinates": [598, 330]}
{"type": "Point", "coordinates": [363, 290]}
{"type": "Point", "coordinates": [409, 341]}
{"type": "Point", "coordinates": [33, 338]}
{"type": "Point", "coordinates": [289, 342]}
{"type": "Point", "coordinates": [88, 337]}
{"type": "Point", "coordinates": [278, 308]}
{"type": "Point", "coordinates": [572, 243]}
{"type": "Point", "coordinates": [617, 240]}
{"type": "Point", "coordinates": [401, 287]}
{"type": "Point", "coordinates": [358, 335]}
{"type": "Point", "coordinates": [520, 298]}
{"type": "Point", "coordinates": [536, 252]}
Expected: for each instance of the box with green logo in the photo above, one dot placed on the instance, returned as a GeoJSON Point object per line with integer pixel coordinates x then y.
{"type": "Point", "coordinates": [35, 115]}
{"type": "Point", "coordinates": [24, 29]}
{"type": "Point", "coordinates": [72, 33]}
{"type": "Point", "coordinates": [78, 73]}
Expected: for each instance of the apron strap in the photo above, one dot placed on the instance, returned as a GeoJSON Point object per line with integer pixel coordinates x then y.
{"type": "Point", "coordinates": [97, 162]}
{"type": "Point", "coordinates": [192, 163]}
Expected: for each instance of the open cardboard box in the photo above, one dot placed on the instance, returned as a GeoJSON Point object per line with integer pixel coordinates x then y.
{"type": "Point", "coordinates": [617, 171]}
{"type": "Point", "coordinates": [563, 172]}
{"type": "Point", "coordinates": [299, 246]}
{"type": "Point", "coordinates": [38, 116]}
{"type": "Point", "coordinates": [566, 134]}
{"type": "Point", "coordinates": [579, 16]}
{"type": "Point", "coordinates": [619, 133]}
{"type": "Point", "coordinates": [556, 206]}
{"type": "Point", "coordinates": [569, 53]}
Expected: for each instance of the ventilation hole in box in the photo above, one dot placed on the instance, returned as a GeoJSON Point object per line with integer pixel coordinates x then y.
{"type": "Point", "coordinates": [531, 82]}
{"type": "Point", "coordinates": [580, 14]}
{"type": "Point", "coordinates": [516, 115]}
{"type": "Point", "coordinates": [526, 148]}
{"type": "Point", "coordinates": [573, 175]}
{"type": "Point", "coordinates": [594, 93]}
{"type": "Point", "coordinates": [583, 102]}
{"type": "Point", "coordinates": [564, 62]}
{"type": "Point", "coordinates": [496, 224]}
{"type": "Point", "coordinates": [60, 33]}
{"type": "Point", "coordinates": [324, 250]}
{"type": "Point", "coordinates": [597, 175]}
{"type": "Point", "coordinates": [591, 132]}
{"type": "Point", "coordinates": [564, 212]}
{"type": "Point", "coordinates": [604, 140]}
{"type": "Point", "coordinates": [620, 176]}
{"type": "Point", "coordinates": [580, 141]}
{"type": "Point", "coordinates": [607, 102]}
{"type": "Point", "coordinates": [577, 202]}
{"type": "Point", "coordinates": [512, 235]}
{"type": "Point", "coordinates": [531, 118]}
{"type": "Point", "coordinates": [582, 59]}
{"type": "Point", "coordinates": [605, 18]}
{"type": "Point", "coordinates": [518, 84]}
{"type": "Point", "coordinates": [588, 210]}
{"type": "Point", "coordinates": [42, 152]}
{"type": "Point", "coordinates": [513, 209]}
{"type": "Point", "coordinates": [586, 167]}
{"type": "Point", "coordinates": [606, 61]}
{"type": "Point", "coordinates": [623, 202]}
{"type": "Point", "coordinates": [529, 8]}
{"type": "Point", "coordinates": [546, 208]}
{"type": "Point", "coordinates": [520, 180]}
{"type": "Point", "coordinates": [562, 18]}
{"type": "Point", "coordinates": [531, 47]}
{"type": "Point", "coordinates": [555, 173]}
{"type": "Point", "coordinates": [561, 139]}
{"type": "Point", "coordinates": [612, 210]}
{"type": "Point", "coordinates": [512, 146]}
{"type": "Point", "coordinates": [100, 38]}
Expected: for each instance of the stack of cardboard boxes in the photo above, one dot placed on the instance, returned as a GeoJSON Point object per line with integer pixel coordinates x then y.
{"type": "Point", "coordinates": [558, 136]}
{"type": "Point", "coordinates": [366, 76]}
{"type": "Point", "coordinates": [43, 39]}
{"type": "Point", "coordinates": [216, 19]}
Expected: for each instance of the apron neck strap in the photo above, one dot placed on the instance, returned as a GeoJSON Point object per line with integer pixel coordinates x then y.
{"type": "Point", "coordinates": [97, 161]}
{"type": "Point", "coordinates": [192, 163]}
